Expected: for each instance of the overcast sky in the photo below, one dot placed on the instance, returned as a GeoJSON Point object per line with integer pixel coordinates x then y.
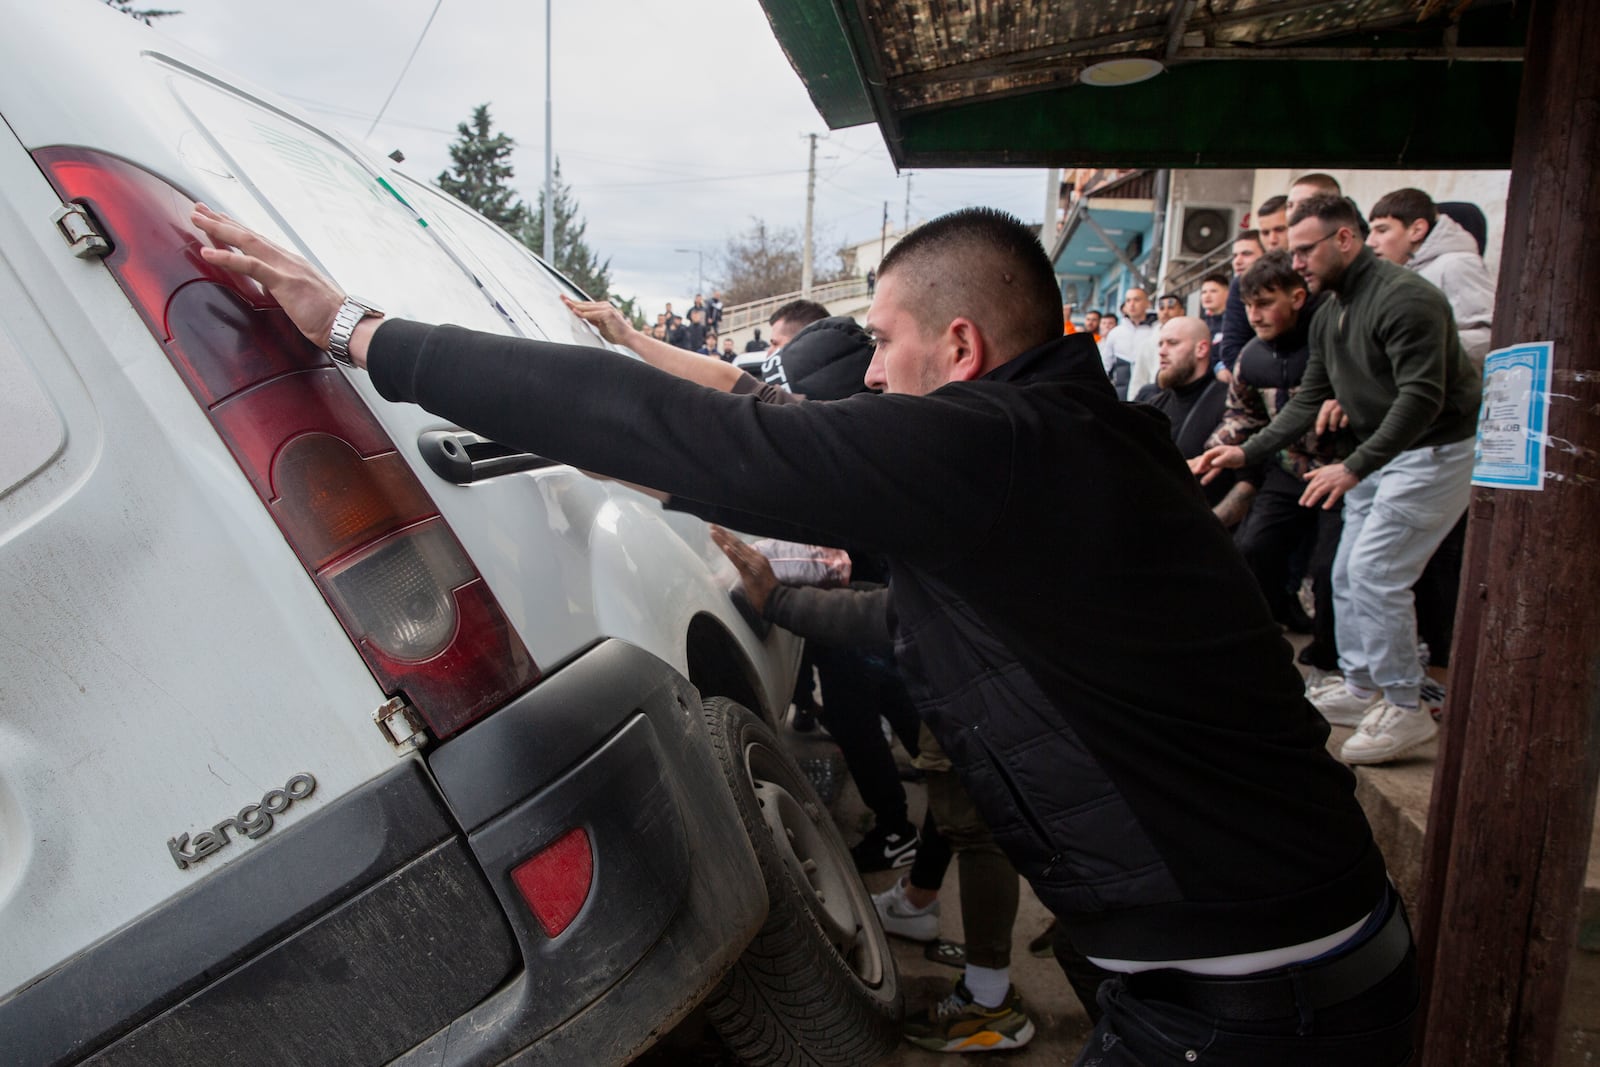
{"type": "Point", "coordinates": [676, 123]}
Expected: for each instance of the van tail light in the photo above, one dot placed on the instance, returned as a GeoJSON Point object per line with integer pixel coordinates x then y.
{"type": "Point", "coordinates": [555, 881]}
{"type": "Point", "coordinates": [348, 504]}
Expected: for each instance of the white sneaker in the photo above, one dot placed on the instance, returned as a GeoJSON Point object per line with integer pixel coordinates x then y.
{"type": "Point", "coordinates": [1340, 706]}
{"type": "Point", "coordinates": [898, 917]}
{"type": "Point", "coordinates": [1318, 679]}
{"type": "Point", "coordinates": [1388, 732]}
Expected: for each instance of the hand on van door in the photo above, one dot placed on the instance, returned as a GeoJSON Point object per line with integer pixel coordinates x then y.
{"type": "Point", "coordinates": [310, 300]}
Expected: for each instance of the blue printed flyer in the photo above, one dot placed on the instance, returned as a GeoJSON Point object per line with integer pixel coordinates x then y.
{"type": "Point", "coordinates": [1512, 423]}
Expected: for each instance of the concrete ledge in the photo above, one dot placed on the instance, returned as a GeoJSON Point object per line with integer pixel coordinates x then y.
{"type": "Point", "coordinates": [1395, 797]}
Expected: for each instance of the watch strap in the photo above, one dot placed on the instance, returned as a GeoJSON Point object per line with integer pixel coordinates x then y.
{"type": "Point", "coordinates": [350, 313]}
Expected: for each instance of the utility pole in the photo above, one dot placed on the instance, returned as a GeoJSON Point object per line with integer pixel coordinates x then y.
{"type": "Point", "coordinates": [1519, 755]}
{"type": "Point", "coordinates": [1052, 207]}
{"type": "Point", "coordinates": [906, 226]}
{"type": "Point", "coordinates": [549, 152]}
{"type": "Point", "coordinates": [811, 200]}
{"type": "Point", "coordinates": [883, 234]}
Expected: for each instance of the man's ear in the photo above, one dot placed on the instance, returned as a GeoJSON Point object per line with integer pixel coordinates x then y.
{"type": "Point", "coordinates": [968, 350]}
{"type": "Point", "coordinates": [1298, 297]}
{"type": "Point", "coordinates": [1417, 232]}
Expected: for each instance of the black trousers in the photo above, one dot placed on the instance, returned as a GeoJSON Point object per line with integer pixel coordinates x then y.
{"type": "Point", "coordinates": [1269, 538]}
{"type": "Point", "coordinates": [1143, 1026]}
{"type": "Point", "coordinates": [857, 687]}
{"type": "Point", "coordinates": [1436, 593]}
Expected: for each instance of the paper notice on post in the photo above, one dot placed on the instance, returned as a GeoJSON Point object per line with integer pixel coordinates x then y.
{"type": "Point", "coordinates": [1512, 423]}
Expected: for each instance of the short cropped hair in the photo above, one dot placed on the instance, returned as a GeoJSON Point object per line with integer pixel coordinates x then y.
{"type": "Point", "coordinates": [1407, 205]}
{"type": "Point", "coordinates": [1330, 208]}
{"type": "Point", "coordinates": [1273, 272]}
{"type": "Point", "coordinates": [1248, 235]}
{"type": "Point", "coordinates": [1174, 297]}
{"type": "Point", "coordinates": [1326, 182]}
{"type": "Point", "coordinates": [1272, 205]}
{"type": "Point", "coordinates": [800, 312]}
{"type": "Point", "coordinates": [1216, 276]}
{"type": "Point", "coordinates": [984, 265]}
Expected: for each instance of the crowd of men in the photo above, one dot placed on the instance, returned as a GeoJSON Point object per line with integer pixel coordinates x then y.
{"type": "Point", "coordinates": [1077, 622]}
{"type": "Point", "coordinates": [698, 329]}
{"type": "Point", "coordinates": [1340, 459]}
{"type": "Point", "coordinates": [1334, 448]}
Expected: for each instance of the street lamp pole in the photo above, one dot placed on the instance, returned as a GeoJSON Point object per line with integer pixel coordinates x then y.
{"type": "Point", "coordinates": [699, 266]}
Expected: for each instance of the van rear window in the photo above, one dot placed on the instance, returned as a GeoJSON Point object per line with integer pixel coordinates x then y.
{"type": "Point", "coordinates": [352, 222]}
{"type": "Point", "coordinates": [529, 291]}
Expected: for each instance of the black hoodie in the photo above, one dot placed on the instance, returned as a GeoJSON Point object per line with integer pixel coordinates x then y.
{"type": "Point", "coordinates": [1075, 627]}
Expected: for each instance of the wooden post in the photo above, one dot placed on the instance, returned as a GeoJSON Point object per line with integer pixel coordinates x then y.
{"type": "Point", "coordinates": [1514, 788]}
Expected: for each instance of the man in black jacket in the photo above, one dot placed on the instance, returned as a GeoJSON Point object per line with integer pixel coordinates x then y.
{"type": "Point", "coordinates": [1266, 377]}
{"type": "Point", "coordinates": [1187, 392]}
{"type": "Point", "coordinates": [1185, 824]}
{"type": "Point", "coordinates": [1247, 248]}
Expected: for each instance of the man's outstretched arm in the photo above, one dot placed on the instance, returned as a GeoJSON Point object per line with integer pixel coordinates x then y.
{"type": "Point", "coordinates": [615, 327]}
{"type": "Point", "coordinates": [820, 473]}
{"type": "Point", "coordinates": [312, 301]}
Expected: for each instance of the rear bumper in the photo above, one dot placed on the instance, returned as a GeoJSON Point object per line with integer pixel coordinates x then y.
{"type": "Point", "coordinates": [676, 895]}
{"type": "Point", "coordinates": [386, 926]}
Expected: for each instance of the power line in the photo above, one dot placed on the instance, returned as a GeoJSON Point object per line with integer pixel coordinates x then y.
{"type": "Point", "coordinates": [689, 181]}
{"type": "Point", "coordinates": [414, 49]}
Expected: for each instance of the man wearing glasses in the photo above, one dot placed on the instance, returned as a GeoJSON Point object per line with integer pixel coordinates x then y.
{"type": "Point", "coordinates": [1386, 349]}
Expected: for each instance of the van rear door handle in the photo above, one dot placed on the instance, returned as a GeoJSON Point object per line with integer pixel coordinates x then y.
{"type": "Point", "coordinates": [463, 458]}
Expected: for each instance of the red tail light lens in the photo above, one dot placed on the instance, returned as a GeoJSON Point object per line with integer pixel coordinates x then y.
{"type": "Point", "coordinates": [353, 511]}
{"type": "Point", "coordinates": [556, 880]}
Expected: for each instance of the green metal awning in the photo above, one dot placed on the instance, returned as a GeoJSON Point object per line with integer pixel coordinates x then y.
{"type": "Point", "coordinates": [1257, 83]}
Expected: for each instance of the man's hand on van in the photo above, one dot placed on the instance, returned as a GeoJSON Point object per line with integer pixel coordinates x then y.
{"type": "Point", "coordinates": [310, 300]}
{"type": "Point", "coordinates": [755, 570]}
{"type": "Point", "coordinates": [603, 316]}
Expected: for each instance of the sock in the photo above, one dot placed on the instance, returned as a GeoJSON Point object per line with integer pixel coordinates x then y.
{"type": "Point", "coordinates": [904, 901]}
{"type": "Point", "coordinates": [988, 985]}
{"type": "Point", "coordinates": [1358, 692]}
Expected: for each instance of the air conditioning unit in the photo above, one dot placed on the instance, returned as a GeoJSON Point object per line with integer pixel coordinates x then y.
{"type": "Point", "coordinates": [1204, 228]}
{"type": "Point", "coordinates": [1194, 231]}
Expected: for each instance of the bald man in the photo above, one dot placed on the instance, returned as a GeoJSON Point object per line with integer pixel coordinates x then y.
{"type": "Point", "coordinates": [1186, 390]}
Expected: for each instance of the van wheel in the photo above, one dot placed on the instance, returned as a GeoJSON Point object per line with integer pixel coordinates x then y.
{"type": "Point", "coordinates": [818, 984]}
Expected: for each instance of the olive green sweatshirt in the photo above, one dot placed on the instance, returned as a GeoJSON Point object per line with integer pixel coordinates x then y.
{"type": "Point", "coordinates": [1387, 349]}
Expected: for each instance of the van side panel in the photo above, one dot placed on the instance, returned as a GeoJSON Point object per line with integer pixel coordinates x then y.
{"type": "Point", "coordinates": [165, 660]}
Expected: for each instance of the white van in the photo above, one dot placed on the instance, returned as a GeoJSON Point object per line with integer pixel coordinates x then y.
{"type": "Point", "coordinates": [329, 733]}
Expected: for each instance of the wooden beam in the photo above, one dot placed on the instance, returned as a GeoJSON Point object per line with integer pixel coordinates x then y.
{"type": "Point", "coordinates": [1514, 792]}
{"type": "Point", "coordinates": [1506, 54]}
{"type": "Point", "coordinates": [1067, 54]}
{"type": "Point", "coordinates": [1178, 26]}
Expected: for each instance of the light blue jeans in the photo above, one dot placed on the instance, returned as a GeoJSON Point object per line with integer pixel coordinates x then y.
{"type": "Point", "coordinates": [1394, 519]}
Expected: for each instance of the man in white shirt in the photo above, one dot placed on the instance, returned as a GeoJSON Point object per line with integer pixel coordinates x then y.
{"type": "Point", "coordinates": [1129, 351]}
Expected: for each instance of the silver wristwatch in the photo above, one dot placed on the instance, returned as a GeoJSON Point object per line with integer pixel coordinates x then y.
{"type": "Point", "coordinates": [351, 312]}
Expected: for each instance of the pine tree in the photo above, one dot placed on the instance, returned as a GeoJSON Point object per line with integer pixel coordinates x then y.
{"type": "Point", "coordinates": [482, 175]}
{"type": "Point", "coordinates": [572, 255]}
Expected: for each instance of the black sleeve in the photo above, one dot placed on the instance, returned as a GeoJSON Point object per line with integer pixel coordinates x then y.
{"type": "Point", "coordinates": [1236, 331]}
{"type": "Point", "coordinates": [917, 477]}
{"type": "Point", "coordinates": [848, 618]}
